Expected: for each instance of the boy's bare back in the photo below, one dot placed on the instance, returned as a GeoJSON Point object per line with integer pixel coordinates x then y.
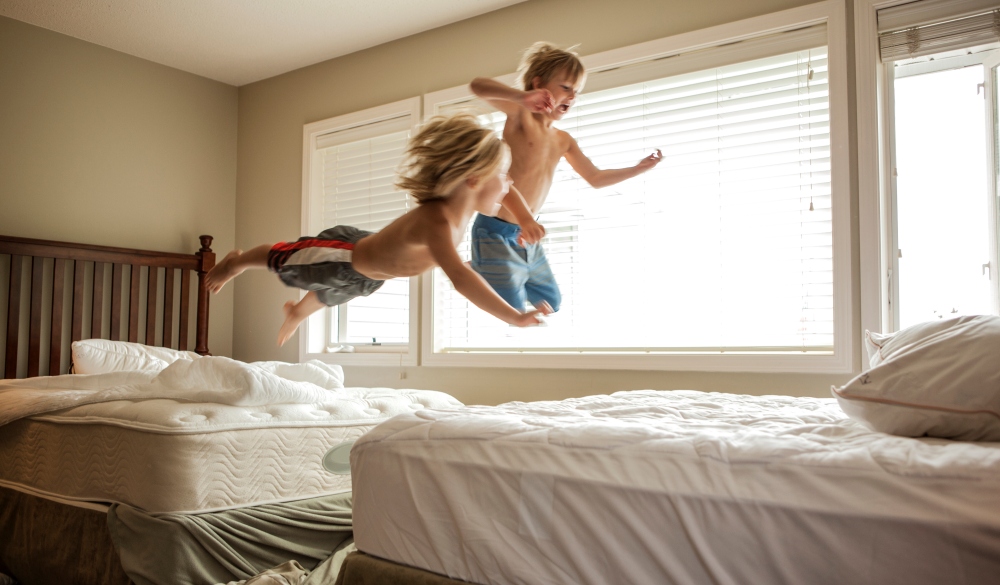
{"type": "Point", "coordinates": [406, 246]}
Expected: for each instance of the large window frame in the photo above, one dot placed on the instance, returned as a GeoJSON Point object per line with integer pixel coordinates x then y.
{"type": "Point", "coordinates": [315, 330]}
{"type": "Point", "coordinates": [715, 39]}
{"type": "Point", "coordinates": [841, 360]}
{"type": "Point", "coordinates": [875, 155]}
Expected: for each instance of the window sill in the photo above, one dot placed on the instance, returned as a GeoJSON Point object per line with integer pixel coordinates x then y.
{"type": "Point", "coordinates": [813, 362]}
{"type": "Point", "coordinates": [364, 358]}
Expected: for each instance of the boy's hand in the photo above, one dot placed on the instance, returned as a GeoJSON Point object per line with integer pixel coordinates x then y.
{"type": "Point", "coordinates": [650, 161]}
{"type": "Point", "coordinates": [538, 101]}
{"type": "Point", "coordinates": [531, 233]}
{"type": "Point", "coordinates": [529, 318]}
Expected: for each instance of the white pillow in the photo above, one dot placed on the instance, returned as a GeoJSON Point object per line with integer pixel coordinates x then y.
{"type": "Point", "coordinates": [939, 379]}
{"type": "Point", "coordinates": [100, 356]}
{"type": "Point", "coordinates": [882, 346]}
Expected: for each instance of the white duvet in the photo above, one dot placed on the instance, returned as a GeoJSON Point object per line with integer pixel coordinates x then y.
{"type": "Point", "coordinates": [218, 380]}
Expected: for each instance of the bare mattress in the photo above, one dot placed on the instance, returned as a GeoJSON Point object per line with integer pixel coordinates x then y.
{"type": "Point", "coordinates": [164, 455]}
{"type": "Point", "coordinates": [674, 487]}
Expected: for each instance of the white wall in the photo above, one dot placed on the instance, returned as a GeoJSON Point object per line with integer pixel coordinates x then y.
{"type": "Point", "coordinates": [100, 147]}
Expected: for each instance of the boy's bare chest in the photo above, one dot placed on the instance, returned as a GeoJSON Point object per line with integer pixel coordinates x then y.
{"type": "Point", "coordinates": [529, 144]}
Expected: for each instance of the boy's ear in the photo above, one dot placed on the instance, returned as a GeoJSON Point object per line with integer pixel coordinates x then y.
{"type": "Point", "coordinates": [535, 82]}
{"type": "Point", "coordinates": [472, 181]}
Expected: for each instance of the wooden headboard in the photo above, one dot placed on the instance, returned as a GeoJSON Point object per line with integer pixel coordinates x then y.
{"type": "Point", "coordinates": [94, 292]}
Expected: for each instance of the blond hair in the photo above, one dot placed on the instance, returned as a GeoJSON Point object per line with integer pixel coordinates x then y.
{"type": "Point", "coordinates": [446, 151]}
{"type": "Point", "coordinates": [544, 60]}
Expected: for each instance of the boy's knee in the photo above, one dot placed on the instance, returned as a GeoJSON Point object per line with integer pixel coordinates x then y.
{"type": "Point", "coordinates": [553, 298]}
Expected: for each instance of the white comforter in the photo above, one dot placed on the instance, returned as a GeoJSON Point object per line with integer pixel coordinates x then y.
{"type": "Point", "coordinates": [209, 379]}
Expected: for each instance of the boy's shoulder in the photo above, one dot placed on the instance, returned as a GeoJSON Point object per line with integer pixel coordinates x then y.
{"type": "Point", "coordinates": [564, 138]}
{"type": "Point", "coordinates": [430, 213]}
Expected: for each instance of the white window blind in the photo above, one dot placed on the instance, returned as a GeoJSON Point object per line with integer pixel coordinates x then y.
{"type": "Point", "coordinates": [359, 168]}
{"type": "Point", "coordinates": [936, 37]}
{"type": "Point", "coordinates": [725, 246]}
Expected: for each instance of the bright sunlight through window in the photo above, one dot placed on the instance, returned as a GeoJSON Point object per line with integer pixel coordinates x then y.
{"type": "Point", "coordinates": [725, 246]}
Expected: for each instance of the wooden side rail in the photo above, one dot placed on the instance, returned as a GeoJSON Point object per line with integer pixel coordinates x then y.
{"type": "Point", "coordinates": [58, 271]}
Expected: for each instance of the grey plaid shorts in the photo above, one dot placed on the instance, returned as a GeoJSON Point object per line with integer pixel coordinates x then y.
{"type": "Point", "coordinates": [323, 264]}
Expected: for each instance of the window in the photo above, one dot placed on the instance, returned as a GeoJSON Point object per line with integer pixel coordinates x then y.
{"type": "Point", "coordinates": [727, 252]}
{"type": "Point", "coordinates": [927, 147]}
{"type": "Point", "coordinates": [943, 207]}
{"type": "Point", "coordinates": [351, 174]}
{"type": "Point", "coordinates": [733, 255]}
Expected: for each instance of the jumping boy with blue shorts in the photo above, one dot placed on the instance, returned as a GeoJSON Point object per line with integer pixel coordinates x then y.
{"type": "Point", "coordinates": [505, 248]}
{"type": "Point", "coordinates": [454, 167]}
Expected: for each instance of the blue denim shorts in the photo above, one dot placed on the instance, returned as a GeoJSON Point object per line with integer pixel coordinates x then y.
{"type": "Point", "coordinates": [518, 274]}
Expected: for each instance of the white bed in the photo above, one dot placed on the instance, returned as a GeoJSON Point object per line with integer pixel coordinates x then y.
{"type": "Point", "coordinates": [203, 470]}
{"type": "Point", "coordinates": [200, 435]}
{"type": "Point", "coordinates": [165, 456]}
{"type": "Point", "coordinates": [674, 487]}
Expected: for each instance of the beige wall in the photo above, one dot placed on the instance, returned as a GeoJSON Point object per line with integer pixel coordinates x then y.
{"type": "Point", "coordinates": [272, 113]}
{"type": "Point", "coordinates": [103, 148]}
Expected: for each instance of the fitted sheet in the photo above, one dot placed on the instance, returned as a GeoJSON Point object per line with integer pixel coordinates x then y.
{"type": "Point", "coordinates": [674, 487]}
{"type": "Point", "coordinates": [168, 456]}
{"type": "Point", "coordinates": [231, 545]}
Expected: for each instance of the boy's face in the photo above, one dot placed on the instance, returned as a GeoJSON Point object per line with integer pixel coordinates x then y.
{"type": "Point", "coordinates": [494, 188]}
{"type": "Point", "coordinates": [564, 90]}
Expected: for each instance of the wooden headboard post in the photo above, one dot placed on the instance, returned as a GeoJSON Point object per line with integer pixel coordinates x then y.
{"type": "Point", "coordinates": [206, 260]}
{"type": "Point", "coordinates": [65, 272]}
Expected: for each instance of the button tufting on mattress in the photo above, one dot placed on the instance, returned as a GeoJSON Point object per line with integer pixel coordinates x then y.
{"type": "Point", "coordinates": [193, 418]}
{"type": "Point", "coordinates": [321, 413]}
{"type": "Point", "coordinates": [373, 411]}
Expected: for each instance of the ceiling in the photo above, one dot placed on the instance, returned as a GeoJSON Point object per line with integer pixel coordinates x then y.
{"type": "Point", "coordinates": [242, 41]}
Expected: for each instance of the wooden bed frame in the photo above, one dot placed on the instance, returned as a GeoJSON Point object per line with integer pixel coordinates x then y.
{"type": "Point", "coordinates": [61, 275]}
{"type": "Point", "coordinates": [362, 569]}
{"type": "Point", "coordinates": [74, 292]}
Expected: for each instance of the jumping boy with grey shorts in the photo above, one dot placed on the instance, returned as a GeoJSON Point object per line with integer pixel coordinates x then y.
{"type": "Point", "coordinates": [454, 167]}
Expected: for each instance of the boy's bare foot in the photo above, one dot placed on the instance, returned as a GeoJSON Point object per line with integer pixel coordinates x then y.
{"type": "Point", "coordinates": [296, 313]}
{"type": "Point", "coordinates": [290, 325]}
{"type": "Point", "coordinates": [223, 272]}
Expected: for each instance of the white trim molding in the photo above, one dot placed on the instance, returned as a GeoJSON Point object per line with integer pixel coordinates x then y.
{"type": "Point", "coordinates": [873, 183]}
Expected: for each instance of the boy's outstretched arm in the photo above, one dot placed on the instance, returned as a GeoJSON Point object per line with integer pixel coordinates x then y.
{"type": "Point", "coordinates": [476, 289]}
{"type": "Point", "coordinates": [604, 178]}
{"type": "Point", "coordinates": [509, 100]}
{"type": "Point", "coordinates": [531, 230]}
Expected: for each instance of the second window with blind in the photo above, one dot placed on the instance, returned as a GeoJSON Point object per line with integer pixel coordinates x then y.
{"type": "Point", "coordinates": [351, 174]}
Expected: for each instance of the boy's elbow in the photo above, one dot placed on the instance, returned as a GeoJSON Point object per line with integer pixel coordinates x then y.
{"type": "Point", "coordinates": [461, 282]}
{"type": "Point", "coordinates": [596, 181]}
{"type": "Point", "coordinates": [477, 85]}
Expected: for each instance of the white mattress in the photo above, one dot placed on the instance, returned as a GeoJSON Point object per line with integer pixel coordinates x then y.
{"type": "Point", "coordinates": [169, 456]}
{"type": "Point", "coordinates": [674, 487]}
